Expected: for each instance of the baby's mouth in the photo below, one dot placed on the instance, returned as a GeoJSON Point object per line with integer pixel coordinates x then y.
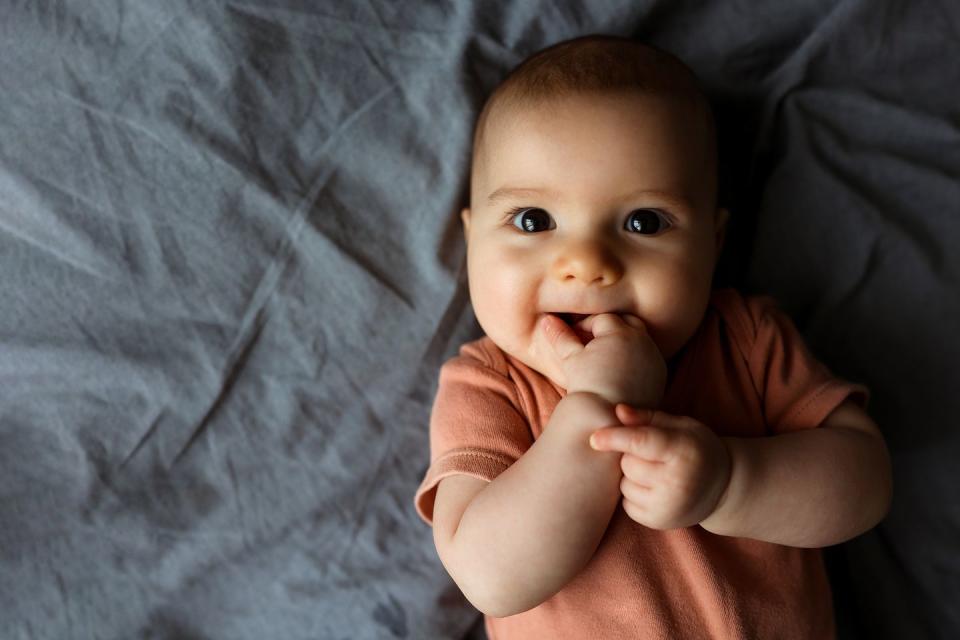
{"type": "Point", "coordinates": [572, 318]}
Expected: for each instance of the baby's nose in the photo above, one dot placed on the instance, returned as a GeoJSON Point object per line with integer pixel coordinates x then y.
{"type": "Point", "coordinates": [589, 263]}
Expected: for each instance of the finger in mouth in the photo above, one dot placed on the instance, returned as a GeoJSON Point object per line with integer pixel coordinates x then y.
{"type": "Point", "coordinates": [572, 318]}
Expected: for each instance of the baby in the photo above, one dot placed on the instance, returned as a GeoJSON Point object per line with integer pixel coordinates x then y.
{"type": "Point", "coordinates": [628, 452]}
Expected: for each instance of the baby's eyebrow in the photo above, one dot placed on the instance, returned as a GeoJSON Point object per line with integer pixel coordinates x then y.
{"type": "Point", "coordinates": [504, 193]}
{"type": "Point", "coordinates": [675, 200]}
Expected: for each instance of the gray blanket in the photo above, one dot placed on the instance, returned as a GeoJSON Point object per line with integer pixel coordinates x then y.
{"type": "Point", "coordinates": [231, 268]}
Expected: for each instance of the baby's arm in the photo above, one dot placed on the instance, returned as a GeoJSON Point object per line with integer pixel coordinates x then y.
{"type": "Point", "coordinates": [811, 488]}
{"type": "Point", "coordinates": [533, 528]}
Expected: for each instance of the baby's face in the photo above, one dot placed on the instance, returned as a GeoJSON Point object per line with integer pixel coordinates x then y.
{"type": "Point", "coordinates": [601, 203]}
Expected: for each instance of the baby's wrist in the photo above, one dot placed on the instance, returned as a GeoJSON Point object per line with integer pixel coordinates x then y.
{"type": "Point", "coordinates": [580, 413]}
{"type": "Point", "coordinates": [586, 407]}
{"type": "Point", "coordinates": [614, 396]}
{"type": "Point", "coordinates": [608, 393]}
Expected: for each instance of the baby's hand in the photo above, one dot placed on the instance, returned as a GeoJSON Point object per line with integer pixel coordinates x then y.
{"type": "Point", "coordinates": [621, 363]}
{"type": "Point", "coordinates": [675, 468]}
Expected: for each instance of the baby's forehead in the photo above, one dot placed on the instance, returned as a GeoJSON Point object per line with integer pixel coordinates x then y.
{"type": "Point", "coordinates": [591, 67]}
{"type": "Point", "coordinates": [509, 115]}
{"type": "Point", "coordinates": [671, 126]}
{"type": "Point", "coordinates": [584, 110]}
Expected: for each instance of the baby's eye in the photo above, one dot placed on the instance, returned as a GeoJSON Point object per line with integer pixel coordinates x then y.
{"type": "Point", "coordinates": [646, 222]}
{"type": "Point", "coordinates": [531, 220]}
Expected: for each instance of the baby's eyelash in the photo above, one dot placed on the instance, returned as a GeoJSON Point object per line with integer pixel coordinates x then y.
{"type": "Point", "coordinates": [512, 213]}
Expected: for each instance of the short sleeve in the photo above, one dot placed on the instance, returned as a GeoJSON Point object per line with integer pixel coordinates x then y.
{"type": "Point", "coordinates": [797, 391]}
{"type": "Point", "coordinates": [477, 426]}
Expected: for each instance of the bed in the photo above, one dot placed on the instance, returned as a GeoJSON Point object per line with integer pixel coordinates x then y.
{"type": "Point", "coordinates": [231, 268]}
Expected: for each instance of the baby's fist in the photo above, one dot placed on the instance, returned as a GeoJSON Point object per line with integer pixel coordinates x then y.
{"type": "Point", "coordinates": [675, 468]}
{"type": "Point", "coordinates": [608, 354]}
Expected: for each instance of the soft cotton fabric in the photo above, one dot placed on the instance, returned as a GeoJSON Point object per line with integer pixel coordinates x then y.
{"type": "Point", "coordinates": [745, 373]}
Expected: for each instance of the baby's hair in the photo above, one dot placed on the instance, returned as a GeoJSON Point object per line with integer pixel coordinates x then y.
{"type": "Point", "coordinates": [597, 63]}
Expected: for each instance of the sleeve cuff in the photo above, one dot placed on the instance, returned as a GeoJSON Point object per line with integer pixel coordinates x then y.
{"type": "Point", "coordinates": [811, 411]}
{"type": "Point", "coordinates": [472, 462]}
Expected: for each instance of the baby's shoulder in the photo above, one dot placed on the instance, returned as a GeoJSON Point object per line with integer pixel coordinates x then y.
{"type": "Point", "coordinates": [482, 353]}
{"type": "Point", "coordinates": [478, 375]}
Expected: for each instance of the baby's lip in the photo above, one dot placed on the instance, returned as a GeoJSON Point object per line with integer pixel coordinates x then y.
{"type": "Point", "coordinates": [573, 317]}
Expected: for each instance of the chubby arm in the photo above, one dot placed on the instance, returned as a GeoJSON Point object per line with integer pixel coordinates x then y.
{"type": "Point", "coordinates": [526, 534]}
{"type": "Point", "coordinates": [812, 488]}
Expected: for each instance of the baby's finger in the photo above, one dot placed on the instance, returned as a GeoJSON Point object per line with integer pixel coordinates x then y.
{"type": "Point", "coordinates": [631, 415]}
{"type": "Point", "coordinates": [635, 492]}
{"type": "Point", "coordinates": [604, 324]}
{"type": "Point", "coordinates": [648, 443]}
{"type": "Point", "coordinates": [560, 337]}
{"type": "Point", "coordinates": [581, 330]}
{"type": "Point", "coordinates": [645, 472]}
{"type": "Point", "coordinates": [610, 322]}
{"type": "Point", "coordinates": [634, 321]}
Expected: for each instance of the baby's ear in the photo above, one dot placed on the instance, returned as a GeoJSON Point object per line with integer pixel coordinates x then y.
{"type": "Point", "coordinates": [720, 229]}
{"type": "Point", "coordinates": [465, 217]}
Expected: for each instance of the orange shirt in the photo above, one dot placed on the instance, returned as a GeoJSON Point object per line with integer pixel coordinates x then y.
{"type": "Point", "coordinates": [745, 373]}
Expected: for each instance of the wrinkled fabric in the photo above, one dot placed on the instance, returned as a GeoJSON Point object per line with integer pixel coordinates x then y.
{"type": "Point", "coordinates": [232, 267]}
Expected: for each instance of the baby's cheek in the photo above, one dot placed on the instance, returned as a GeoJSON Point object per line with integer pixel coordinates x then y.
{"type": "Point", "coordinates": [510, 279]}
{"type": "Point", "coordinates": [505, 301]}
{"type": "Point", "coordinates": [673, 302]}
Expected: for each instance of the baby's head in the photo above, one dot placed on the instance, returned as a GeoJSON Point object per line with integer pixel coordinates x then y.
{"type": "Point", "coordinates": [593, 189]}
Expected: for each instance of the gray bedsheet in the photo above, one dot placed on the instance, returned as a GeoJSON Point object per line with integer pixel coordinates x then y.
{"type": "Point", "coordinates": [231, 268]}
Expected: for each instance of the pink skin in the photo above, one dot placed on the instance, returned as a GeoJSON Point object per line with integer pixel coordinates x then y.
{"type": "Point", "coordinates": [615, 358]}
{"type": "Point", "coordinates": [675, 468]}
{"type": "Point", "coordinates": [586, 164]}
